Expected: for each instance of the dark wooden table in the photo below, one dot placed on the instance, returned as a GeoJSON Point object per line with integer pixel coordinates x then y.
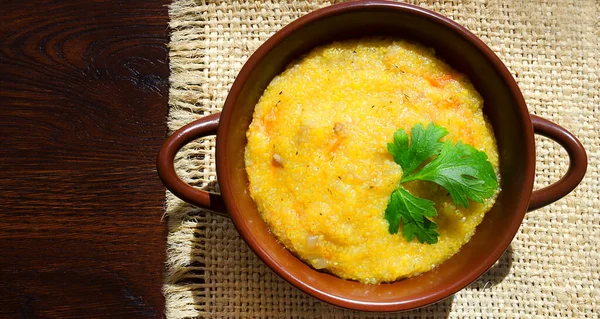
{"type": "Point", "coordinates": [83, 105]}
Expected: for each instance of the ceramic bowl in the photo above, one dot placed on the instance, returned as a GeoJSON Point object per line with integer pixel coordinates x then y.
{"type": "Point", "coordinates": [504, 105]}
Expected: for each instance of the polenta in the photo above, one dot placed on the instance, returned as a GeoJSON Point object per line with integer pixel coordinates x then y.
{"type": "Point", "coordinates": [317, 158]}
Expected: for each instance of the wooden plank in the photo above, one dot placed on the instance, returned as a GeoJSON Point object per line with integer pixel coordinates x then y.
{"type": "Point", "coordinates": [83, 104]}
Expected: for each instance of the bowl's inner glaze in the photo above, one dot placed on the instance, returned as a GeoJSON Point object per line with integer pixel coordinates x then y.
{"type": "Point", "coordinates": [503, 106]}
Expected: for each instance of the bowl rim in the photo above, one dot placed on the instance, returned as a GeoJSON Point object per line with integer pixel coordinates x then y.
{"type": "Point", "coordinates": [224, 174]}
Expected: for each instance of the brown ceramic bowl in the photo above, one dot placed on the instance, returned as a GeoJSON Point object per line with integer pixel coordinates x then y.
{"type": "Point", "coordinates": [513, 126]}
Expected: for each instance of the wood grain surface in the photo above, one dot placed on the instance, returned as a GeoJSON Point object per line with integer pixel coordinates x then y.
{"type": "Point", "coordinates": [83, 102]}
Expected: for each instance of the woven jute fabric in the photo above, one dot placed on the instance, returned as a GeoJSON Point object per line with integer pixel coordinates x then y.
{"type": "Point", "coordinates": [551, 268]}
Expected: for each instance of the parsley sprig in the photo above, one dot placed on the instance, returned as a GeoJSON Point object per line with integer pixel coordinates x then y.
{"type": "Point", "coordinates": [462, 170]}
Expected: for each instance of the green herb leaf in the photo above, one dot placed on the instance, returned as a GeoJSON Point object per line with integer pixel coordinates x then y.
{"type": "Point", "coordinates": [424, 143]}
{"type": "Point", "coordinates": [462, 170]}
{"type": "Point", "coordinates": [413, 212]}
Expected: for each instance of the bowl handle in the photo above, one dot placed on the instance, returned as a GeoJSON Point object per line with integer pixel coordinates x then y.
{"type": "Point", "coordinates": [577, 163]}
{"type": "Point", "coordinates": [166, 169]}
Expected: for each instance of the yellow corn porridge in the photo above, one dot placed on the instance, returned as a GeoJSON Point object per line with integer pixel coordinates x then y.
{"type": "Point", "coordinates": [317, 158]}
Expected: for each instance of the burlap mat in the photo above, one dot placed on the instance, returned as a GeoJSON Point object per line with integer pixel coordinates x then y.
{"type": "Point", "coordinates": [551, 268]}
